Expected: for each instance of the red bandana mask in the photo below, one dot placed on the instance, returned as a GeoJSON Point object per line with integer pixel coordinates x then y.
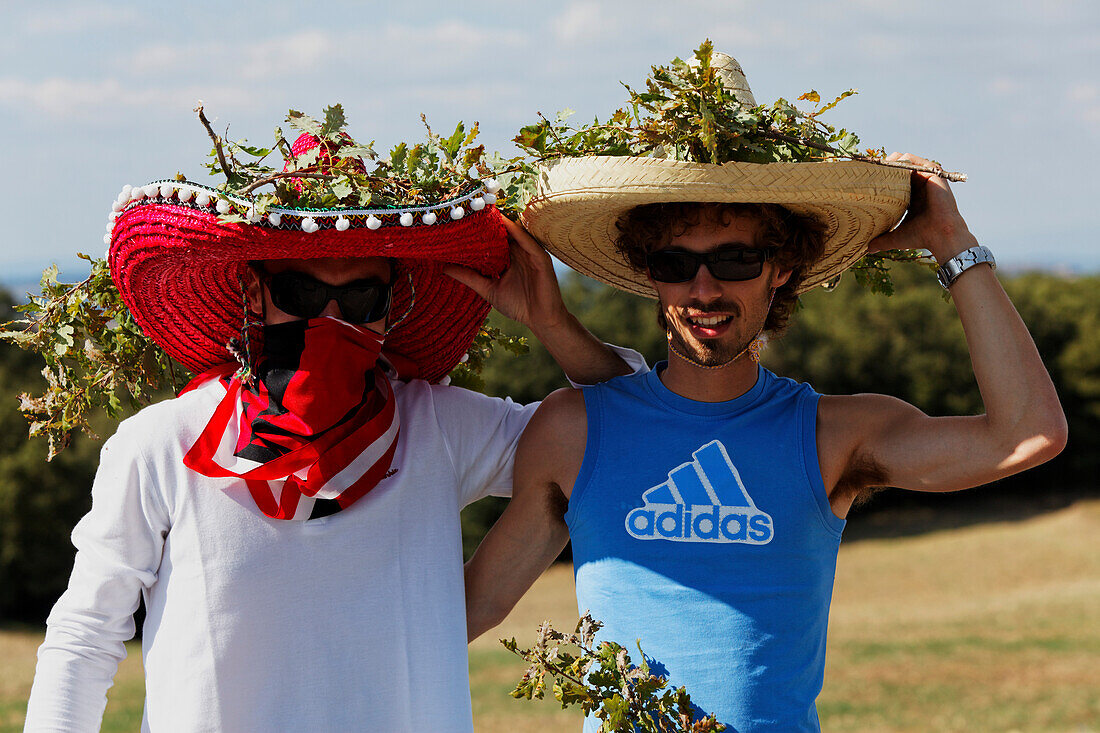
{"type": "Point", "coordinates": [315, 431]}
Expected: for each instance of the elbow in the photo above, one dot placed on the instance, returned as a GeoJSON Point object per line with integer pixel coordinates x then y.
{"type": "Point", "coordinates": [1046, 436]}
{"type": "Point", "coordinates": [482, 619]}
{"type": "Point", "coordinates": [1054, 438]}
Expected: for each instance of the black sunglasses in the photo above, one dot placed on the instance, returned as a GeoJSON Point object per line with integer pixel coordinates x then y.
{"type": "Point", "coordinates": [731, 264]}
{"type": "Point", "coordinates": [299, 295]}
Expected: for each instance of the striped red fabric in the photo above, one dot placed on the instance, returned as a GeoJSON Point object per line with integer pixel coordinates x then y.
{"type": "Point", "coordinates": [319, 423]}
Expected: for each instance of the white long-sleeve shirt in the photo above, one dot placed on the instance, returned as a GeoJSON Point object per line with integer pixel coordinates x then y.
{"type": "Point", "coordinates": [351, 622]}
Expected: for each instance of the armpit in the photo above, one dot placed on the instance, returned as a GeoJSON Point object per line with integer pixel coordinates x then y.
{"type": "Point", "coordinates": [556, 502]}
{"type": "Point", "coordinates": [863, 478]}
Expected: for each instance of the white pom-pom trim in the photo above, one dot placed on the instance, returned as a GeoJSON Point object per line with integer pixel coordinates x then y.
{"type": "Point", "coordinates": [457, 213]}
{"type": "Point", "coordinates": [116, 207]}
{"type": "Point", "coordinates": [373, 222]}
{"type": "Point", "coordinates": [445, 381]}
{"type": "Point", "coordinates": [491, 185]}
{"type": "Point", "coordinates": [406, 219]}
{"type": "Point", "coordinates": [428, 218]}
{"type": "Point", "coordinates": [151, 190]}
{"type": "Point", "coordinates": [222, 206]}
{"type": "Point", "coordinates": [477, 204]}
{"type": "Point", "coordinates": [342, 224]}
{"type": "Point", "coordinates": [137, 194]}
{"type": "Point", "coordinates": [202, 198]}
{"type": "Point", "coordinates": [490, 198]}
{"type": "Point", "coordinates": [107, 241]}
{"type": "Point", "coordinates": [166, 190]}
{"type": "Point", "coordinates": [185, 194]}
{"type": "Point", "coordinates": [274, 219]}
{"type": "Point", "coordinates": [309, 225]}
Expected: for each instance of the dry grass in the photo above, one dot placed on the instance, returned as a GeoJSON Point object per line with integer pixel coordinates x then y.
{"type": "Point", "coordinates": [993, 627]}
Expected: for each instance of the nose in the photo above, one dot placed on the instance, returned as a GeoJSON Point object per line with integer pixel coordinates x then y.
{"type": "Point", "coordinates": [332, 308]}
{"type": "Point", "coordinates": [704, 286]}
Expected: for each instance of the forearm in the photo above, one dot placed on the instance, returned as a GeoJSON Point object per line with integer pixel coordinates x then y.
{"type": "Point", "coordinates": [515, 552]}
{"type": "Point", "coordinates": [583, 357]}
{"type": "Point", "coordinates": [84, 644]}
{"type": "Point", "coordinates": [70, 687]}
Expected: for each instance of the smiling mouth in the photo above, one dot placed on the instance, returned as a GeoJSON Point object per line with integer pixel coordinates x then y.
{"type": "Point", "coordinates": [708, 321]}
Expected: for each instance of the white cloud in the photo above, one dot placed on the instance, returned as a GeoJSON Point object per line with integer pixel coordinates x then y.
{"type": "Point", "coordinates": [63, 98]}
{"type": "Point", "coordinates": [1004, 86]}
{"type": "Point", "coordinates": [388, 52]}
{"type": "Point", "coordinates": [48, 18]}
{"type": "Point", "coordinates": [581, 21]}
{"type": "Point", "coordinates": [1084, 100]}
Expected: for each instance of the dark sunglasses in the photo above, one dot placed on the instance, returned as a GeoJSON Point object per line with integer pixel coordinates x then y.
{"type": "Point", "coordinates": [731, 264]}
{"type": "Point", "coordinates": [299, 295]}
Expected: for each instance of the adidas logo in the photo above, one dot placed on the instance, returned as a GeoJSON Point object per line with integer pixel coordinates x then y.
{"type": "Point", "coordinates": [702, 501]}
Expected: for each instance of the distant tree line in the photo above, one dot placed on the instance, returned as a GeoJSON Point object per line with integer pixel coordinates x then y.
{"type": "Point", "coordinates": [909, 345]}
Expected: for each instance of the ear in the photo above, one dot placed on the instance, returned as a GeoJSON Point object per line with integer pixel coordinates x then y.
{"type": "Point", "coordinates": [780, 278]}
{"type": "Point", "coordinates": [253, 290]}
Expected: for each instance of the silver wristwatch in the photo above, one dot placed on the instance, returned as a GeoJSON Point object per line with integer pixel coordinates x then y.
{"type": "Point", "coordinates": [949, 271]}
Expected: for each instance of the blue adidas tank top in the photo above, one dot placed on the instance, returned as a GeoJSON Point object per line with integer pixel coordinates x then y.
{"type": "Point", "coordinates": [704, 531]}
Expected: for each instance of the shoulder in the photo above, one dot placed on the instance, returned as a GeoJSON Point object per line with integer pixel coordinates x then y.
{"type": "Point", "coordinates": [862, 413]}
{"type": "Point", "coordinates": [418, 393]}
{"type": "Point", "coordinates": [167, 428]}
{"type": "Point", "coordinates": [852, 428]}
{"type": "Point", "coordinates": [777, 387]}
{"type": "Point", "coordinates": [553, 445]}
{"type": "Point", "coordinates": [450, 402]}
{"type": "Point", "coordinates": [560, 423]}
{"type": "Point", "coordinates": [562, 408]}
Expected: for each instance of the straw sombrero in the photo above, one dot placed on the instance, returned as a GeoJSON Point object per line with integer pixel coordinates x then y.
{"type": "Point", "coordinates": [177, 266]}
{"type": "Point", "coordinates": [579, 200]}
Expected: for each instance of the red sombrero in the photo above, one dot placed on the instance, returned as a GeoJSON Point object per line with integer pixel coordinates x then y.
{"type": "Point", "coordinates": [178, 267]}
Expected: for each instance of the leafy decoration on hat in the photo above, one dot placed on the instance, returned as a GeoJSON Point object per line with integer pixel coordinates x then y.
{"type": "Point", "coordinates": [96, 356]}
{"type": "Point", "coordinates": [685, 112]}
{"type": "Point", "coordinates": [338, 171]}
{"type": "Point", "coordinates": [98, 359]}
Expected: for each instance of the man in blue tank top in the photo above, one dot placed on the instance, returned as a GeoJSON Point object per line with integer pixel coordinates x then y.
{"type": "Point", "coordinates": [706, 499]}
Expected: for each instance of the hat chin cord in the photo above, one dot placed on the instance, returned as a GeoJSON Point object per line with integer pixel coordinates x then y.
{"type": "Point", "coordinates": [241, 347]}
{"type": "Point", "coordinates": [408, 310]}
{"type": "Point", "coordinates": [753, 349]}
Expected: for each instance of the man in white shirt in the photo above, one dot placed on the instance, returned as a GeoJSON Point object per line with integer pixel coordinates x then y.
{"type": "Point", "coordinates": [293, 525]}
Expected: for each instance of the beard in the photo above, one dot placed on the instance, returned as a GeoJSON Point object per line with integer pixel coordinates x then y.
{"type": "Point", "coordinates": [716, 352]}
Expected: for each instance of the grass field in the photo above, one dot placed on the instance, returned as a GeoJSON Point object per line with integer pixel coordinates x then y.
{"type": "Point", "coordinates": [991, 627]}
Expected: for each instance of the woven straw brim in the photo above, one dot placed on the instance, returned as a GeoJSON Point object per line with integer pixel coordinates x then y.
{"type": "Point", "coordinates": [178, 271]}
{"type": "Point", "coordinates": [579, 200]}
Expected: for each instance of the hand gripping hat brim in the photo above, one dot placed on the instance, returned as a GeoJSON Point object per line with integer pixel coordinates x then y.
{"type": "Point", "coordinates": [579, 200]}
{"type": "Point", "coordinates": [178, 269]}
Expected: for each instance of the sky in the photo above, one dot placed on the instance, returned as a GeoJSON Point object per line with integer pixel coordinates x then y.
{"type": "Point", "coordinates": [97, 95]}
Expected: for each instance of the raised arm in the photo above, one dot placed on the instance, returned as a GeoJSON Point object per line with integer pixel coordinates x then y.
{"type": "Point", "coordinates": [532, 531]}
{"type": "Point", "coordinates": [528, 292]}
{"type": "Point", "coordinates": [877, 440]}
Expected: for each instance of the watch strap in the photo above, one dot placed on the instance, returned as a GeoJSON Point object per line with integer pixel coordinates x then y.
{"type": "Point", "coordinates": [949, 271]}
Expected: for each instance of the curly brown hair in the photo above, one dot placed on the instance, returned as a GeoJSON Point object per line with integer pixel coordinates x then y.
{"type": "Point", "coordinates": [800, 240]}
